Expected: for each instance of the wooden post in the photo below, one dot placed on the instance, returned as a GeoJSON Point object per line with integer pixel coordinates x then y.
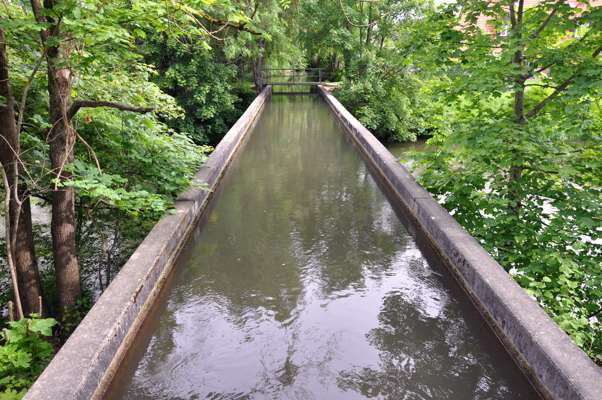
{"type": "Point", "coordinates": [11, 311]}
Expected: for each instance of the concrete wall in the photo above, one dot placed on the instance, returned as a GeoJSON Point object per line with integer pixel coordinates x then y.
{"type": "Point", "coordinates": [88, 360]}
{"type": "Point", "coordinates": [555, 365]}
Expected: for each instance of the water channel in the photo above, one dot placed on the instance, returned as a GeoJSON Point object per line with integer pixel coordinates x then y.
{"type": "Point", "coordinates": [302, 283]}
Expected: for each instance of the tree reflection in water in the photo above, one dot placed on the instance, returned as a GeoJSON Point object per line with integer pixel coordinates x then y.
{"type": "Point", "coordinates": [303, 270]}
{"type": "Point", "coordinates": [424, 357]}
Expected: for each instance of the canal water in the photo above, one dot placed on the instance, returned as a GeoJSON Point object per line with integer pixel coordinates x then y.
{"type": "Point", "coordinates": [302, 283]}
{"type": "Point", "coordinates": [405, 149]}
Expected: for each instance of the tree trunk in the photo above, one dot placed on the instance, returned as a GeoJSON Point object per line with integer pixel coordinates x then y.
{"type": "Point", "coordinates": [369, 27]}
{"type": "Point", "coordinates": [240, 69]}
{"type": "Point", "coordinates": [258, 68]}
{"type": "Point", "coordinates": [519, 90]}
{"type": "Point", "coordinates": [516, 169]}
{"type": "Point", "coordinates": [25, 257]}
{"type": "Point", "coordinates": [516, 19]}
{"type": "Point", "coordinates": [62, 140]}
{"type": "Point", "coordinates": [20, 226]}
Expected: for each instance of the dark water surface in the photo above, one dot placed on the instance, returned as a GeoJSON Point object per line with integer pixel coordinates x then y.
{"type": "Point", "coordinates": [400, 150]}
{"type": "Point", "coordinates": [304, 284]}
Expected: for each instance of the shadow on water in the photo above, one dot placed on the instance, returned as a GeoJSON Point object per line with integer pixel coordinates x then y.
{"type": "Point", "coordinates": [400, 150]}
{"type": "Point", "coordinates": [302, 283]}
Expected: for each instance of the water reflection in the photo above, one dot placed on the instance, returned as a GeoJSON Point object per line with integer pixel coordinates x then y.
{"type": "Point", "coordinates": [426, 350]}
{"type": "Point", "coordinates": [303, 284]}
{"type": "Point", "coordinates": [405, 149]}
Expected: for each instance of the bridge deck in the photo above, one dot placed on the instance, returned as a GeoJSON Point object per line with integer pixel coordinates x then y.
{"type": "Point", "coordinates": [294, 83]}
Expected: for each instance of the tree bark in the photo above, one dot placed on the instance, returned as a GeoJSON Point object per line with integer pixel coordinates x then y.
{"type": "Point", "coordinates": [62, 140]}
{"type": "Point", "coordinates": [101, 103]}
{"type": "Point", "coordinates": [26, 263]}
{"type": "Point", "coordinates": [369, 27]}
{"type": "Point", "coordinates": [258, 68]}
{"type": "Point", "coordinates": [516, 18]}
{"type": "Point", "coordinates": [516, 169]}
{"type": "Point", "coordinates": [19, 228]}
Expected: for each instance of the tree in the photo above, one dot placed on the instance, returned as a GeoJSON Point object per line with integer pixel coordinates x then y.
{"type": "Point", "coordinates": [92, 139]}
{"type": "Point", "coordinates": [75, 42]}
{"type": "Point", "coordinates": [518, 157]}
{"type": "Point", "coordinates": [63, 44]}
{"type": "Point", "coordinates": [59, 49]}
{"type": "Point", "coordinates": [358, 42]}
{"type": "Point", "coordinates": [61, 137]}
{"type": "Point", "coordinates": [19, 237]}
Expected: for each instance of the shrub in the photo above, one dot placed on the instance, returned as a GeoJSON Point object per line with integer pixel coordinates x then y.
{"type": "Point", "coordinates": [24, 353]}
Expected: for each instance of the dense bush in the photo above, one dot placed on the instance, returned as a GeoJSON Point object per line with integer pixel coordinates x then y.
{"type": "Point", "coordinates": [24, 353]}
{"type": "Point", "coordinates": [204, 84]}
{"type": "Point", "coordinates": [395, 109]}
{"type": "Point", "coordinates": [543, 227]}
{"type": "Point", "coordinates": [383, 106]}
{"type": "Point", "coordinates": [518, 159]}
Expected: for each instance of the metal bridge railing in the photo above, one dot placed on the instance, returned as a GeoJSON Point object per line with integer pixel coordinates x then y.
{"type": "Point", "coordinates": [293, 76]}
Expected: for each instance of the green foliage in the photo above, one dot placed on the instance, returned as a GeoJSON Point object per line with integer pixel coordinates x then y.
{"type": "Point", "coordinates": [203, 85]}
{"type": "Point", "coordinates": [542, 227]}
{"type": "Point", "coordinates": [73, 316]}
{"type": "Point", "coordinates": [356, 42]}
{"type": "Point", "coordinates": [144, 165]}
{"type": "Point", "coordinates": [389, 103]}
{"type": "Point", "coordinates": [526, 183]}
{"type": "Point", "coordinates": [524, 178]}
{"type": "Point", "coordinates": [128, 167]}
{"type": "Point", "coordinates": [24, 353]}
{"type": "Point", "coordinates": [381, 107]}
{"type": "Point", "coordinates": [278, 24]}
{"type": "Point", "coordinates": [207, 78]}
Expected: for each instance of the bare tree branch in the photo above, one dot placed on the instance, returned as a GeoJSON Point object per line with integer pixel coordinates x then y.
{"type": "Point", "coordinates": [545, 23]}
{"type": "Point", "coordinates": [543, 68]}
{"type": "Point", "coordinates": [541, 85]}
{"type": "Point", "coordinates": [241, 27]}
{"type": "Point", "coordinates": [94, 104]}
{"type": "Point", "coordinates": [519, 16]}
{"type": "Point", "coordinates": [10, 242]}
{"type": "Point", "coordinates": [26, 90]}
{"type": "Point", "coordinates": [559, 89]}
{"type": "Point", "coordinates": [91, 150]}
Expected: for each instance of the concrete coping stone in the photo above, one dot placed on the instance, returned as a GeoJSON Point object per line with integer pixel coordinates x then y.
{"type": "Point", "coordinates": [556, 367]}
{"type": "Point", "coordinates": [85, 365]}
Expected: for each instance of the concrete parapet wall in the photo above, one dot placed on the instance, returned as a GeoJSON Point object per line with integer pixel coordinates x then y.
{"type": "Point", "coordinates": [554, 364]}
{"type": "Point", "coordinates": [86, 362]}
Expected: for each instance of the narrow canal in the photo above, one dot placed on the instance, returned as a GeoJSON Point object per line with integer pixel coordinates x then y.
{"type": "Point", "coordinates": [302, 283]}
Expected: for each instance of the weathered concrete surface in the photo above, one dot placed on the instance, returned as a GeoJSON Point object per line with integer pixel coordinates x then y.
{"type": "Point", "coordinates": [553, 363]}
{"type": "Point", "coordinates": [86, 362]}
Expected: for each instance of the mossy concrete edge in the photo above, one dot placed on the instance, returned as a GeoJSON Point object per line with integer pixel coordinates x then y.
{"type": "Point", "coordinates": [557, 368]}
{"type": "Point", "coordinates": [80, 369]}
